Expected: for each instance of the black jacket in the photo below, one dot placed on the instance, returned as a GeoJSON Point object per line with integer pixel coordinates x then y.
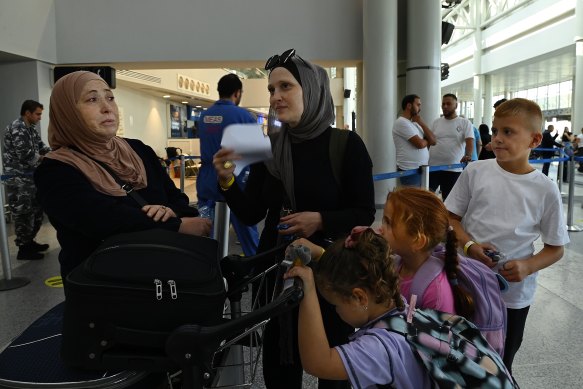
{"type": "Point", "coordinates": [342, 207]}
{"type": "Point", "coordinates": [84, 217]}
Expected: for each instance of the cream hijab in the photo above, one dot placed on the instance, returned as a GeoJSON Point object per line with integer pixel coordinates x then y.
{"type": "Point", "coordinates": [67, 130]}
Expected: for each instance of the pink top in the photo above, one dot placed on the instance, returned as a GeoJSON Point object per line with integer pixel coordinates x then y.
{"type": "Point", "coordinates": [438, 294]}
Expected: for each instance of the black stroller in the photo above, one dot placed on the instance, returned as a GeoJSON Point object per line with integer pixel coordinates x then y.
{"type": "Point", "coordinates": [159, 321]}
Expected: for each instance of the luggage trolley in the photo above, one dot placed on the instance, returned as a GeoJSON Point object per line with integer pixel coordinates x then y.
{"type": "Point", "coordinates": [224, 355]}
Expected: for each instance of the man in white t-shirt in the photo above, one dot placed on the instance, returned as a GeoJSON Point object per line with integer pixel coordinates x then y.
{"type": "Point", "coordinates": [412, 139]}
{"type": "Point", "coordinates": [454, 144]}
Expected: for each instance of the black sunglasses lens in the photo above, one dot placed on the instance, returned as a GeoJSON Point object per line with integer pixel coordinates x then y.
{"type": "Point", "coordinates": [276, 60]}
{"type": "Point", "coordinates": [272, 62]}
{"type": "Point", "coordinates": [286, 55]}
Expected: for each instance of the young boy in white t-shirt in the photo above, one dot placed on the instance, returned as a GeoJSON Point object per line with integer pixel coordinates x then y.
{"type": "Point", "coordinates": [505, 204]}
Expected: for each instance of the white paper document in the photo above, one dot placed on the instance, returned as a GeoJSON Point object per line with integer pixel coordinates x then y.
{"type": "Point", "coordinates": [249, 142]}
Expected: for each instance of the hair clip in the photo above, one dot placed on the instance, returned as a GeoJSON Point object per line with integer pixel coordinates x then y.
{"type": "Point", "coordinates": [450, 228]}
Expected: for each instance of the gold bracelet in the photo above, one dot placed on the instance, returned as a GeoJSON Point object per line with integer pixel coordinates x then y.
{"type": "Point", "coordinates": [467, 246]}
{"type": "Point", "coordinates": [228, 184]}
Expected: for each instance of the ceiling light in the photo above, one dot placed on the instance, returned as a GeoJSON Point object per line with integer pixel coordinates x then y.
{"type": "Point", "coordinates": [199, 106]}
{"type": "Point", "coordinates": [166, 96]}
{"type": "Point", "coordinates": [185, 102]}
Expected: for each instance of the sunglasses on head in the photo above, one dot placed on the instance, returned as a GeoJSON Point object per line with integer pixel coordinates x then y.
{"type": "Point", "coordinates": [280, 60]}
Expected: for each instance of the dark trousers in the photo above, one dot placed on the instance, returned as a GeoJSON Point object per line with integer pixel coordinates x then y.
{"type": "Point", "coordinates": [445, 180]}
{"type": "Point", "coordinates": [514, 333]}
{"type": "Point", "coordinates": [546, 165]}
{"type": "Point", "coordinates": [282, 368]}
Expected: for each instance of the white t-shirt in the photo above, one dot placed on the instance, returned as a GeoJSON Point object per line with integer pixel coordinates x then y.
{"type": "Point", "coordinates": [510, 211]}
{"type": "Point", "coordinates": [451, 138]}
{"type": "Point", "coordinates": [408, 156]}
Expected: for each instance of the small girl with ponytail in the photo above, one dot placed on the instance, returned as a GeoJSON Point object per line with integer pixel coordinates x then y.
{"type": "Point", "coordinates": [357, 276]}
{"type": "Point", "coordinates": [415, 222]}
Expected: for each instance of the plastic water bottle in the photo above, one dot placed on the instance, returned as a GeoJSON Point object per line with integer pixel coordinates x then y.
{"type": "Point", "coordinates": [206, 212]}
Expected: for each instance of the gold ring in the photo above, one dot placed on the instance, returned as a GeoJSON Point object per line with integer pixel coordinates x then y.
{"type": "Point", "coordinates": [227, 164]}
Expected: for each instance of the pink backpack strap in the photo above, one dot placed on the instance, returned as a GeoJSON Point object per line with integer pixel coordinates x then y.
{"type": "Point", "coordinates": [425, 275]}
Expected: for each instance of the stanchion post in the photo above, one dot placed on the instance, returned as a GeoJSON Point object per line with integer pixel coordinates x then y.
{"type": "Point", "coordinates": [182, 173]}
{"type": "Point", "coordinates": [8, 282]}
{"type": "Point", "coordinates": [570, 226]}
{"type": "Point", "coordinates": [560, 175]}
{"type": "Point", "coordinates": [221, 227]}
{"type": "Point", "coordinates": [425, 177]}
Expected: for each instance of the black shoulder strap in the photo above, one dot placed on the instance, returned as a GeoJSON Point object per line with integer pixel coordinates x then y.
{"type": "Point", "coordinates": [338, 140]}
{"type": "Point", "coordinates": [129, 189]}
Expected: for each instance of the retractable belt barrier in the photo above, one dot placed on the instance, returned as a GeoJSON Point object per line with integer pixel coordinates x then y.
{"type": "Point", "coordinates": [425, 170]}
{"type": "Point", "coordinates": [221, 221]}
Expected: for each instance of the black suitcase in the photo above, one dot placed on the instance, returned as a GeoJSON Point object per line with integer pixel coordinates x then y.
{"type": "Point", "coordinates": [133, 291]}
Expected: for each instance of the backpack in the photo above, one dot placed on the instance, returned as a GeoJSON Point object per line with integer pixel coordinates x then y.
{"type": "Point", "coordinates": [452, 349]}
{"type": "Point", "coordinates": [337, 147]}
{"type": "Point", "coordinates": [482, 284]}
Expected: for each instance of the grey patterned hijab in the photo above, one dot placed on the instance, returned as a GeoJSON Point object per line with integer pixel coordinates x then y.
{"type": "Point", "coordinates": [318, 115]}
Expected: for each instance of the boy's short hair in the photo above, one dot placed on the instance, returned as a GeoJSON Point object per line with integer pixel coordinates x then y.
{"type": "Point", "coordinates": [527, 108]}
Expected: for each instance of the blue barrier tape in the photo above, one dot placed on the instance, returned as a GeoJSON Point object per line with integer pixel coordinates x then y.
{"type": "Point", "coordinates": [402, 173]}
{"type": "Point", "coordinates": [438, 168]}
{"type": "Point", "coordinates": [548, 149]}
{"type": "Point", "coordinates": [545, 160]}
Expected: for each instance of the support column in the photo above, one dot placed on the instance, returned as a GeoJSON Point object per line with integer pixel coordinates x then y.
{"type": "Point", "coordinates": [380, 104]}
{"type": "Point", "coordinates": [488, 103]}
{"type": "Point", "coordinates": [475, 9]}
{"type": "Point", "coordinates": [349, 102]}
{"type": "Point", "coordinates": [424, 55]}
{"type": "Point", "coordinates": [577, 117]}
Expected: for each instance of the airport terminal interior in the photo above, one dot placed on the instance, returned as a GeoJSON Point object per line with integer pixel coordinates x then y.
{"type": "Point", "coordinates": [375, 53]}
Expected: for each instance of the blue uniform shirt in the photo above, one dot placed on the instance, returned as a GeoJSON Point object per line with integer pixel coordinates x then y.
{"type": "Point", "coordinates": [211, 124]}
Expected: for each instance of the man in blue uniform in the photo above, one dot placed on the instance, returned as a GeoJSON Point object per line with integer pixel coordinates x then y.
{"type": "Point", "coordinates": [211, 125]}
{"type": "Point", "coordinates": [22, 152]}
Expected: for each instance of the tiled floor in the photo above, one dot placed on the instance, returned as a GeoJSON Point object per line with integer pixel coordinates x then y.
{"type": "Point", "coordinates": [551, 354]}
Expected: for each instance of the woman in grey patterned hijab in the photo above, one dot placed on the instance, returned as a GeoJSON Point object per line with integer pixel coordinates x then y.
{"type": "Point", "coordinates": [328, 188]}
{"type": "Point", "coordinates": [315, 118]}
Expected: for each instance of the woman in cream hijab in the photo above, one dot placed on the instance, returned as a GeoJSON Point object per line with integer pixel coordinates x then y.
{"type": "Point", "coordinates": [75, 186]}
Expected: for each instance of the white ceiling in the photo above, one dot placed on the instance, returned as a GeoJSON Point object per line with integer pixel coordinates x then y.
{"type": "Point", "coordinates": [551, 68]}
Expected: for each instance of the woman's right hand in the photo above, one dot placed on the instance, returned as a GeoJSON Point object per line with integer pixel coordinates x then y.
{"type": "Point", "coordinates": [225, 173]}
{"type": "Point", "coordinates": [195, 226]}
